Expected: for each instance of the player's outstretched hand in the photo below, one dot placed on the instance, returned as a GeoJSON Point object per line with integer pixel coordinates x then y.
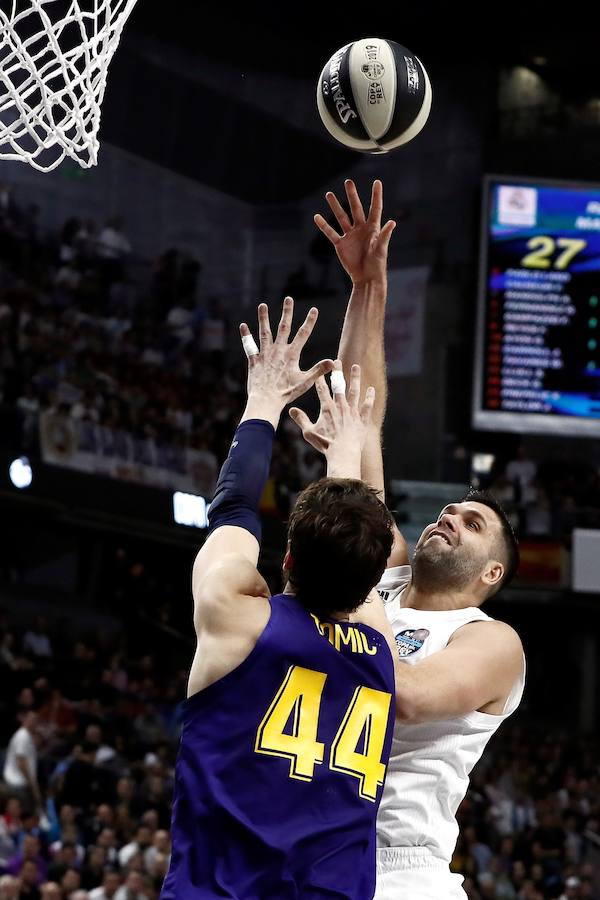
{"type": "Point", "coordinates": [274, 374]}
{"type": "Point", "coordinates": [362, 247]}
{"type": "Point", "coordinates": [341, 430]}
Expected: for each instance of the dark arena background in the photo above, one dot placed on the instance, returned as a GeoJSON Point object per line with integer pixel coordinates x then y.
{"type": "Point", "coordinates": [122, 379]}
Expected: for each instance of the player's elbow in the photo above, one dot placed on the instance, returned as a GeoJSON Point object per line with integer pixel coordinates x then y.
{"type": "Point", "coordinates": [409, 704]}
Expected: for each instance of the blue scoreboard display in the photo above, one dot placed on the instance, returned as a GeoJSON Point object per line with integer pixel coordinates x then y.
{"type": "Point", "coordinates": [537, 366]}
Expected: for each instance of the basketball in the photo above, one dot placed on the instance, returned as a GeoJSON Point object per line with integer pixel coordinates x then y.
{"type": "Point", "coordinates": [374, 95]}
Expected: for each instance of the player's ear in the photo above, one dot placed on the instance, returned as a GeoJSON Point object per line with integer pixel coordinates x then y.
{"type": "Point", "coordinates": [287, 560]}
{"type": "Point", "coordinates": [493, 573]}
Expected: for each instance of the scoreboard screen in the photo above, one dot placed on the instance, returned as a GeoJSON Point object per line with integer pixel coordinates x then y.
{"type": "Point", "coordinates": [537, 365]}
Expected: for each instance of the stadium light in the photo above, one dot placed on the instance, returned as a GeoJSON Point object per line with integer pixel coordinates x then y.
{"type": "Point", "coordinates": [20, 472]}
{"type": "Point", "coordinates": [189, 509]}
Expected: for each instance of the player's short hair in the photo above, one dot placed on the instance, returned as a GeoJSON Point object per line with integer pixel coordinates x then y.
{"type": "Point", "coordinates": [508, 548]}
{"type": "Point", "coordinates": [340, 536]}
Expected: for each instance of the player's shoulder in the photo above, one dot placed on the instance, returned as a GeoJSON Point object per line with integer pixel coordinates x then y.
{"type": "Point", "coordinates": [493, 634]}
{"type": "Point", "coordinates": [233, 574]}
{"type": "Point", "coordinates": [232, 597]}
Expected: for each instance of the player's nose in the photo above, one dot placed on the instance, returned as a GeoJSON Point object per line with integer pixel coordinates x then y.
{"type": "Point", "coordinates": [448, 521]}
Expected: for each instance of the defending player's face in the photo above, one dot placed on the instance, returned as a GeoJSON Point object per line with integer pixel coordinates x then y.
{"type": "Point", "coordinates": [455, 550]}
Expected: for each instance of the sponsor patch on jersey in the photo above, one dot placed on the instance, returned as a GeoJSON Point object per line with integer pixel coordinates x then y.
{"type": "Point", "coordinates": [411, 640]}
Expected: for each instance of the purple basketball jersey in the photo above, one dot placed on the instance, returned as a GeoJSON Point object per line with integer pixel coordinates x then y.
{"type": "Point", "coordinates": [281, 766]}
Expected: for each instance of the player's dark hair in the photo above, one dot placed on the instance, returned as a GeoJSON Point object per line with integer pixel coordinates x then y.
{"type": "Point", "coordinates": [340, 536]}
{"type": "Point", "coordinates": [509, 548]}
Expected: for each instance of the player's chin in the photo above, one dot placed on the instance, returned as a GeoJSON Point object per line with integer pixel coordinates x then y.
{"type": "Point", "coordinates": [432, 548]}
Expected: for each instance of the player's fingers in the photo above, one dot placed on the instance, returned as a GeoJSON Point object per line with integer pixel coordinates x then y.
{"type": "Point", "coordinates": [316, 440]}
{"type": "Point", "coordinates": [249, 344]}
{"type": "Point", "coordinates": [376, 207]}
{"type": "Point", "coordinates": [338, 383]}
{"type": "Point", "coordinates": [301, 419]}
{"type": "Point", "coordinates": [305, 330]}
{"type": "Point", "coordinates": [356, 207]}
{"type": "Point", "coordinates": [339, 212]}
{"type": "Point", "coordinates": [329, 232]}
{"type": "Point", "coordinates": [319, 369]}
{"type": "Point", "coordinates": [354, 387]}
{"type": "Point", "coordinates": [285, 323]}
{"type": "Point", "coordinates": [323, 393]}
{"type": "Point", "coordinates": [366, 409]}
{"type": "Point", "coordinates": [385, 235]}
{"type": "Point", "coordinates": [264, 327]}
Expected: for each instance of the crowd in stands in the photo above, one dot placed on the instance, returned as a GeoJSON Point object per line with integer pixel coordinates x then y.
{"type": "Point", "coordinates": [547, 500]}
{"type": "Point", "coordinates": [140, 369]}
{"type": "Point", "coordinates": [530, 823]}
{"type": "Point", "coordinates": [91, 725]}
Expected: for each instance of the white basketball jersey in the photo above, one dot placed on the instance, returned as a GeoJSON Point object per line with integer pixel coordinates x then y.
{"type": "Point", "coordinates": [428, 771]}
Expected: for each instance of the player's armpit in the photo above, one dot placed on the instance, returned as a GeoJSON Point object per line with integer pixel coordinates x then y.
{"type": "Point", "coordinates": [476, 671]}
{"type": "Point", "coordinates": [221, 543]}
{"type": "Point", "coordinates": [230, 595]}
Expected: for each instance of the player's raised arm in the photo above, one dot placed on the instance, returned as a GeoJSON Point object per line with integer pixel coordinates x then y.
{"type": "Point", "coordinates": [224, 573]}
{"type": "Point", "coordinates": [362, 249]}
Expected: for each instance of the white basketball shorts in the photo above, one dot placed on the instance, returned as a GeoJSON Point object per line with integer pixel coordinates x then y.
{"type": "Point", "coordinates": [413, 873]}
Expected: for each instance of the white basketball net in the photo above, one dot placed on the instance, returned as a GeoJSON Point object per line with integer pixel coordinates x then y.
{"type": "Point", "coordinates": [54, 57]}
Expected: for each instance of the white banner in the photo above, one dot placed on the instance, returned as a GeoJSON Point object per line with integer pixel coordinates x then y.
{"type": "Point", "coordinates": [404, 320]}
{"type": "Point", "coordinates": [114, 453]}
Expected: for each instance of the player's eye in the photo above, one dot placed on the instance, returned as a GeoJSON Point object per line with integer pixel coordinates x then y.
{"type": "Point", "coordinates": [473, 524]}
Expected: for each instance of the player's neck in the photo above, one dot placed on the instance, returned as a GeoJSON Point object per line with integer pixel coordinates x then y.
{"type": "Point", "coordinates": [416, 598]}
{"type": "Point", "coordinates": [339, 617]}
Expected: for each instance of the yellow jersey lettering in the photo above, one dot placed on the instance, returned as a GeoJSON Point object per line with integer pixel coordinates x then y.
{"type": "Point", "coordinates": [317, 623]}
{"type": "Point", "coordinates": [342, 637]}
{"type": "Point", "coordinates": [329, 632]}
{"type": "Point", "coordinates": [348, 636]}
{"type": "Point", "coordinates": [370, 650]}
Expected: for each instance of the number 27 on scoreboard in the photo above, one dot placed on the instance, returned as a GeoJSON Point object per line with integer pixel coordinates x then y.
{"type": "Point", "coordinates": [544, 247]}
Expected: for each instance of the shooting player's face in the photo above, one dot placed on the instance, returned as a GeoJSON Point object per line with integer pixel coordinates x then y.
{"type": "Point", "coordinates": [455, 550]}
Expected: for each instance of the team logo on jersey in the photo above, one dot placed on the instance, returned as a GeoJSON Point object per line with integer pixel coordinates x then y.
{"type": "Point", "coordinates": [411, 640]}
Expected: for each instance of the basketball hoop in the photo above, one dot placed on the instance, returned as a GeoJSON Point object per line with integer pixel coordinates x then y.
{"type": "Point", "coordinates": [54, 58]}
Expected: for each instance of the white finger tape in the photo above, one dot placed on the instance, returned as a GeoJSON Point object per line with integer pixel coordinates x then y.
{"type": "Point", "coordinates": [338, 382]}
{"type": "Point", "coordinates": [249, 345]}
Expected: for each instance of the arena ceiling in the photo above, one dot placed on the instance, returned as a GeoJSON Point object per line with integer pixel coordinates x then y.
{"type": "Point", "coordinates": [223, 141]}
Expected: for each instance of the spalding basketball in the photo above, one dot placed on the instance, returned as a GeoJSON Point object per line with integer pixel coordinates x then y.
{"type": "Point", "coordinates": [374, 95]}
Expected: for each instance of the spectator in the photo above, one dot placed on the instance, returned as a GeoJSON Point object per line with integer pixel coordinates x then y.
{"type": "Point", "coordinates": [10, 887]}
{"type": "Point", "coordinates": [157, 857]}
{"type": "Point", "coordinates": [93, 870]}
{"type": "Point", "coordinates": [141, 843]}
{"type": "Point", "coordinates": [521, 472]}
{"type": "Point", "coordinates": [94, 738]}
{"type": "Point", "coordinates": [66, 855]}
{"type": "Point", "coordinates": [29, 853]}
{"type": "Point", "coordinates": [213, 336]}
{"type": "Point", "coordinates": [36, 641]}
{"type": "Point", "coordinates": [133, 889]}
{"type": "Point", "coordinates": [7, 847]}
{"type": "Point", "coordinates": [110, 885]}
{"type": "Point", "coordinates": [30, 878]}
{"type": "Point", "coordinates": [51, 891]}
{"type": "Point", "coordinates": [70, 882]}
{"type": "Point", "coordinates": [112, 244]}
{"type": "Point", "coordinates": [20, 766]}
{"type": "Point", "coordinates": [84, 782]}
